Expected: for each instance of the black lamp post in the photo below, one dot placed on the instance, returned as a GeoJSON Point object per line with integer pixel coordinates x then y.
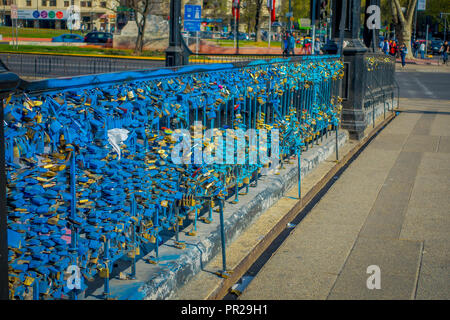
{"type": "Point", "coordinates": [371, 36]}
{"type": "Point", "coordinates": [236, 6]}
{"type": "Point", "coordinates": [176, 54]}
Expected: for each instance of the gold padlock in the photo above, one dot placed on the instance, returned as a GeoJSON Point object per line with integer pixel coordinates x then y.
{"type": "Point", "coordinates": [28, 281]}
{"type": "Point", "coordinates": [103, 272]}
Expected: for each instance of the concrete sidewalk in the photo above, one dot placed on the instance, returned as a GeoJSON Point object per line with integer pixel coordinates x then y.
{"type": "Point", "coordinates": [390, 208]}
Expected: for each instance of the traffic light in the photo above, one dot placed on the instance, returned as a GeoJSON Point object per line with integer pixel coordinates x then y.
{"type": "Point", "coordinates": [323, 9]}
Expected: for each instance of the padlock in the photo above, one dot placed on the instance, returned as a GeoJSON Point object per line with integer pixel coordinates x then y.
{"type": "Point", "coordinates": [103, 272]}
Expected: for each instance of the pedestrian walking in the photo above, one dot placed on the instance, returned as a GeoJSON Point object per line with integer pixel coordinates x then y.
{"type": "Point", "coordinates": [385, 46]}
{"type": "Point", "coordinates": [415, 47]}
{"type": "Point", "coordinates": [291, 44]}
{"type": "Point", "coordinates": [403, 51]}
{"type": "Point", "coordinates": [381, 45]}
{"type": "Point", "coordinates": [307, 46]}
{"type": "Point", "coordinates": [284, 44]}
{"type": "Point", "coordinates": [302, 45]}
{"type": "Point", "coordinates": [422, 50]}
{"type": "Point", "coordinates": [444, 50]}
{"type": "Point", "coordinates": [393, 48]}
{"type": "Point", "coordinates": [317, 46]}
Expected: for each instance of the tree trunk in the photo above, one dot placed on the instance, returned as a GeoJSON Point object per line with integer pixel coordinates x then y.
{"type": "Point", "coordinates": [139, 41]}
{"type": "Point", "coordinates": [406, 38]}
{"type": "Point", "coordinates": [257, 18]}
{"type": "Point", "coordinates": [140, 37]}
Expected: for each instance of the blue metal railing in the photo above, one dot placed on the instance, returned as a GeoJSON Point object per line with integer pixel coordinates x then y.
{"type": "Point", "coordinates": [79, 199]}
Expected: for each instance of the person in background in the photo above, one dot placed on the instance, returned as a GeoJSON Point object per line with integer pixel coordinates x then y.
{"type": "Point", "coordinates": [385, 46]}
{"type": "Point", "coordinates": [302, 45]}
{"type": "Point", "coordinates": [422, 50]}
{"type": "Point", "coordinates": [403, 51]}
{"type": "Point", "coordinates": [317, 45]}
{"type": "Point", "coordinates": [415, 47]}
{"type": "Point", "coordinates": [444, 50]}
{"type": "Point", "coordinates": [291, 44]}
{"type": "Point", "coordinates": [307, 46]}
{"type": "Point", "coordinates": [284, 44]}
{"type": "Point", "coordinates": [381, 45]}
{"type": "Point", "coordinates": [393, 48]}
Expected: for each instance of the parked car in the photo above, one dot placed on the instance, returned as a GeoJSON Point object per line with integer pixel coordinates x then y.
{"type": "Point", "coordinates": [242, 36]}
{"type": "Point", "coordinates": [70, 37]}
{"type": "Point", "coordinates": [99, 37]}
{"type": "Point", "coordinates": [206, 35]}
{"type": "Point", "coordinates": [435, 45]}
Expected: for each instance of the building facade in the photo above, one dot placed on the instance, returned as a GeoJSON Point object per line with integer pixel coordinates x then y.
{"type": "Point", "coordinates": [112, 15]}
{"type": "Point", "coordinates": [52, 14]}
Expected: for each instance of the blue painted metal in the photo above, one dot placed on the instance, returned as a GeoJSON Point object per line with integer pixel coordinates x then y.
{"type": "Point", "coordinates": [64, 173]}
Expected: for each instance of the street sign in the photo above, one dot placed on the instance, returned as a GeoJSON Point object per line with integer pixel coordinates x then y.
{"type": "Point", "coordinates": [192, 17]}
{"type": "Point", "coordinates": [26, 14]}
{"type": "Point", "coordinates": [421, 5]}
{"type": "Point", "coordinates": [73, 18]}
{"type": "Point", "coordinates": [14, 14]}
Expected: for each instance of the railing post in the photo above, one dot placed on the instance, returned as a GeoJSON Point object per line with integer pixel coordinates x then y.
{"type": "Point", "coordinates": [8, 83]}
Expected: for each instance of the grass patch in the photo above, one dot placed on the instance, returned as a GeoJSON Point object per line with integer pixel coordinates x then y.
{"type": "Point", "coordinates": [247, 43]}
{"type": "Point", "coordinates": [77, 50]}
{"type": "Point", "coordinates": [35, 33]}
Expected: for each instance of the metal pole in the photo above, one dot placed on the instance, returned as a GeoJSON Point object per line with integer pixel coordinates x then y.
{"type": "Point", "coordinates": [196, 43]}
{"type": "Point", "coordinates": [270, 27]}
{"type": "Point", "coordinates": [313, 25]}
{"type": "Point", "coordinates": [415, 21]}
{"type": "Point", "coordinates": [337, 143]}
{"type": "Point", "coordinates": [426, 42]}
{"type": "Point", "coordinates": [299, 153]}
{"type": "Point", "coordinates": [175, 52]}
{"type": "Point", "coordinates": [289, 18]}
{"type": "Point", "coordinates": [237, 28]}
{"type": "Point", "coordinates": [222, 237]}
{"type": "Point", "coordinates": [445, 28]}
{"type": "Point", "coordinates": [343, 17]}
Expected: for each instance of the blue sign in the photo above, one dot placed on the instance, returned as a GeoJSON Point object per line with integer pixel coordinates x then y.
{"type": "Point", "coordinates": [192, 17]}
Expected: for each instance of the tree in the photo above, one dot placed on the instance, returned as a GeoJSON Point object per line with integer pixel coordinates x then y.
{"type": "Point", "coordinates": [405, 20]}
{"type": "Point", "coordinates": [251, 14]}
{"type": "Point", "coordinates": [216, 9]}
{"type": "Point", "coordinates": [141, 9]}
{"type": "Point", "coordinates": [257, 19]}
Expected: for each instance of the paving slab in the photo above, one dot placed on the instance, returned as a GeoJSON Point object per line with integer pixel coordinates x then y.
{"type": "Point", "coordinates": [441, 124]}
{"type": "Point", "coordinates": [396, 257]}
{"type": "Point", "coordinates": [421, 143]}
{"type": "Point", "coordinates": [397, 193]}
{"type": "Point", "coordinates": [433, 286]}
{"type": "Point", "coordinates": [434, 259]}
{"type": "Point", "coordinates": [444, 144]}
{"type": "Point", "coordinates": [351, 285]}
{"type": "Point", "coordinates": [423, 125]}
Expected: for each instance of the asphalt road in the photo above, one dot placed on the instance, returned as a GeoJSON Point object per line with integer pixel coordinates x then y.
{"type": "Point", "coordinates": [420, 84]}
{"type": "Point", "coordinates": [50, 66]}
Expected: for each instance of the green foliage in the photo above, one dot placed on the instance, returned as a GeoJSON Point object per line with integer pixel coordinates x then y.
{"type": "Point", "coordinates": [35, 33]}
{"type": "Point", "coordinates": [76, 50]}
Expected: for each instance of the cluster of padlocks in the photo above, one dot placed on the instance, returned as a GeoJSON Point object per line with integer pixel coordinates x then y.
{"type": "Point", "coordinates": [375, 61]}
{"type": "Point", "coordinates": [90, 171]}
